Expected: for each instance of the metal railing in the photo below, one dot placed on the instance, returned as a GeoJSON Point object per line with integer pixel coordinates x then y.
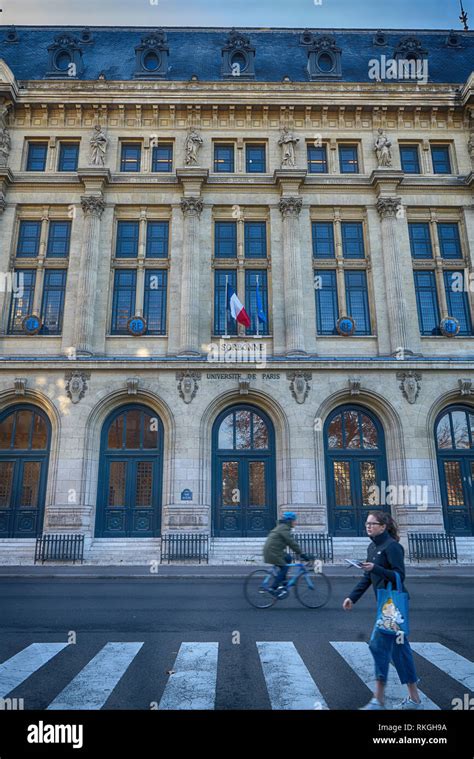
{"type": "Point", "coordinates": [432, 545]}
{"type": "Point", "coordinates": [319, 544]}
{"type": "Point", "coordinates": [182, 546]}
{"type": "Point", "coordinates": [59, 547]}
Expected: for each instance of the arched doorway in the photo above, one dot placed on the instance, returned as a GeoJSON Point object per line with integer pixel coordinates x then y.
{"type": "Point", "coordinates": [355, 462]}
{"type": "Point", "coordinates": [25, 436]}
{"type": "Point", "coordinates": [130, 474]}
{"type": "Point", "coordinates": [454, 431]}
{"type": "Point", "coordinates": [244, 482]}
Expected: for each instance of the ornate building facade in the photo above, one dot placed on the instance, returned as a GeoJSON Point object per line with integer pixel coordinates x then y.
{"type": "Point", "coordinates": [326, 179]}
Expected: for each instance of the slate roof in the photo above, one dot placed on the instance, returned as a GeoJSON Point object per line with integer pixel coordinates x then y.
{"type": "Point", "coordinates": [197, 51]}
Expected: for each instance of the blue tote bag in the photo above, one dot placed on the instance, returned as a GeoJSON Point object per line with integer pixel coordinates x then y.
{"type": "Point", "coordinates": [392, 609]}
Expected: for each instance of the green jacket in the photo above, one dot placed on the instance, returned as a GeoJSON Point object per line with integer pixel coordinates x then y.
{"type": "Point", "coordinates": [276, 543]}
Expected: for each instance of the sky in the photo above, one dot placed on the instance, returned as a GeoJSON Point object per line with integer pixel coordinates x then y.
{"type": "Point", "coordinates": [348, 14]}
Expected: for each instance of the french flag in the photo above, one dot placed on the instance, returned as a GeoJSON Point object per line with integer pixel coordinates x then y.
{"type": "Point", "coordinates": [236, 308]}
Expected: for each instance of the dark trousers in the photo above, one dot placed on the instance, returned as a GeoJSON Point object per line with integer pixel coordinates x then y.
{"type": "Point", "coordinates": [282, 572]}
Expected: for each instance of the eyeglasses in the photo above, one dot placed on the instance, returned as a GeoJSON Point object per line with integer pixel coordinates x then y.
{"type": "Point", "coordinates": [371, 524]}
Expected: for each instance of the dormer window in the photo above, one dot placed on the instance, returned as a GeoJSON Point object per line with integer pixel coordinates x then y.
{"type": "Point", "coordinates": [151, 60]}
{"type": "Point", "coordinates": [324, 58]}
{"type": "Point", "coordinates": [65, 58]}
{"type": "Point", "coordinates": [238, 57]}
{"type": "Point", "coordinates": [380, 39]}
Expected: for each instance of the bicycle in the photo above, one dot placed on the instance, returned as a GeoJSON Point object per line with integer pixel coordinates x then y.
{"type": "Point", "coordinates": [313, 589]}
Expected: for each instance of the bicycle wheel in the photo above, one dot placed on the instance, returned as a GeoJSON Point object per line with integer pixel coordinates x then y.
{"type": "Point", "coordinates": [313, 590]}
{"type": "Point", "coordinates": [256, 589]}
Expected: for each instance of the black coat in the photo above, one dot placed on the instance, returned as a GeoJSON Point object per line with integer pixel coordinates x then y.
{"type": "Point", "coordinates": [388, 557]}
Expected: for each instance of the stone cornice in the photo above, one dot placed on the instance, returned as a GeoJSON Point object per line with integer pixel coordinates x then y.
{"type": "Point", "coordinates": [270, 93]}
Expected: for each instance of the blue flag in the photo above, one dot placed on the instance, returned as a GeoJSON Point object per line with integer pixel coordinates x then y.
{"type": "Point", "coordinates": [260, 311]}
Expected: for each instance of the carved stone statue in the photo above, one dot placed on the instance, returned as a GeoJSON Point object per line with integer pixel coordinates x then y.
{"type": "Point", "coordinates": [382, 148]}
{"type": "Point", "coordinates": [5, 146]}
{"type": "Point", "coordinates": [470, 147]}
{"type": "Point", "coordinates": [4, 109]}
{"type": "Point", "coordinates": [193, 142]}
{"type": "Point", "coordinates": [288, 142]}
{"type": "Point", "coordinates": [98, 143]}
{"type": "Point", "coordinates": [410, 385]}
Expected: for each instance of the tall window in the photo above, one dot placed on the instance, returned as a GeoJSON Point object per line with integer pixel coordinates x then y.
{"type": "Point", "coordinates": [454, 431]}
{"type": "Point", "coordinates": [25, 434]}
{"type": "Point", "coordinates": [340, 290]}
{"type": "Point", "coordinates": [439, 284]}
{"type": "Point", "coordinates": [410, 159]}
{"type": "Point", "coordinates": [244, 242]}
{"type": "Point", "coordinates": [224, 158]}
{"type": "Point", "coordinates": [317, 159]}
{"type": "Point", "coordinates": [348, 159]}
{"type": "Point", "coordinates": [255, 158]}
{"type": "Point", "coordinates": [40, 269]}
{"type": "Point", "coordinates": [36, 159]}
{"type": "Point", "coordinates": [162, 157]}
{"type": "Point", "coordinates": [130, 156]}
{"type": "Point", "coordinates": [355, 463]}
{"type": "Point", "coordinates": [68, 156]}
{"type": "Point", "coordinates": [441, 159]}
{"type": "Point", "coordinates": [141, 274]}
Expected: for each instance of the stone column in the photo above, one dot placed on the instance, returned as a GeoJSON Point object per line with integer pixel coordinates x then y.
{"type": "Point", "coordinates": [93, 208]}
{"type": "Point", "coordinates": [190, 296]}
{"type": "Point", "coordinates": [396, 305]}
{"type": "Point", "coordinates": [290, 208]}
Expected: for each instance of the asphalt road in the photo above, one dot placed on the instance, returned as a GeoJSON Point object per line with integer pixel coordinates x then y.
{"type": "Point", "coordinates": [306, 658]}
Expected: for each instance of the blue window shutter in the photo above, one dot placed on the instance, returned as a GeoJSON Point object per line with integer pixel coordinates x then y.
{"type": "Point", "coordinates": [327, 309]}
{"type": "Point", "coordinates": [21, 306]}
{"type": "Point", "coordinates": [255, 239]}
{"type": "Point", "coordinates": [458, 302]}
{"type": "Point", "coordinates": [323, 239]}
{"type": "Point", "coordinates": [420, 240]}
{"type": "Point", "coordinates": [59, 239]}
{"type": "Point", "coordinates": [52, 306]}
{"type": "Point", "coordinates": [157, 239]}
{"type": "Point", "coordinates": [449, 240]}
{"type": "Point", "coordinates": [225, 239]}
{"type": "Point", "coordinates": [427, 302]}
{"type": "Point", "coordinates": [251, 300]}
{"type": "Point", "coordinates": [357, 300]}
{"type": "Point", "coordinates": [29, 239]}
{"type": "Point", "coordinates": [154, 304]}
{"type": "Point", "coordinates": [127, 239]}
{"type": "Point", "coordinates": [123, 308]}
{"type": "Point", "coordinates": [352, 239]}
{"type": "Point", "coordinates": [221, 313]}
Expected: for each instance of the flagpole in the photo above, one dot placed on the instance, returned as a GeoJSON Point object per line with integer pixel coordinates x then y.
{"type": "Point", "coordinates": [225, 309]}
{"type": "Point", "coordinates": [258, 320]}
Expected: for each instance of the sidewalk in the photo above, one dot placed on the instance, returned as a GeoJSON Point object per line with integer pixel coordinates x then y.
{"type": "Point", "coordinates": [202, 571]}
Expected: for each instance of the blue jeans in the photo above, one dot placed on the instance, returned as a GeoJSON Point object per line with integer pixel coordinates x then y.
{"type": "Point", "coordinates": [282, 572]}
{"type": "Point", "coordinates": [385, 649]}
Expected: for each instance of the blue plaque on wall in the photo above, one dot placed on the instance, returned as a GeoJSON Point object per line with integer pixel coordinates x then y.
{"type": "Point", "coordinates": [450, 326]}
{"type": "Point", "coordinates": [136, 325]}
{"type": "Point", "coordinates": [31, 324]}
{"type": "Point", "coordinates": [346, 326]}
{"type": "Point", "coordinates": [187, 495]}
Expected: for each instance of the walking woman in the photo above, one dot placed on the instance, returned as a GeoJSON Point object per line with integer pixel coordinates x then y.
{"type": "Point", "coordinates": [385, 557]}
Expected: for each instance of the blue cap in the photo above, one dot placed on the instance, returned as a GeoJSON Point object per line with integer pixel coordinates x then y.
{"type": "Point", "coordinates": [289, 516]}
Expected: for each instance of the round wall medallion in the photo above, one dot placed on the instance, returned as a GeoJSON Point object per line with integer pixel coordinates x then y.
{"type": "Point", "coordinates": [346, 326]}
{"type": "Point", "coordinates": [31, 324]}
{"type": "Point", "coordinates": [450, 326]}
{"type": "Point", "coordinates": [136, 326]}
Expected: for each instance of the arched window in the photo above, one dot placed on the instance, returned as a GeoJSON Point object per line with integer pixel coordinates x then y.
{"type": "Point", "coordinates": [356, 469]}
{"type": "Point", "coordinates": [25, 434]}
{"type": "Point", "coordinates": [454, 432]}
{"type": "Point", "coordinates": [243, 473]}
{"type": "Point", "coordinates": [130, 474]}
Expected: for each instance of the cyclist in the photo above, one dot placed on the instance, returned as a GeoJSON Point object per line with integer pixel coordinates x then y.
{"type": "Point", "coordinates": [274, 550]}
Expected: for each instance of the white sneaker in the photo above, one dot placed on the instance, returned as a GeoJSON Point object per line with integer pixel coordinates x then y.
{"type": "Point", "coordinates": [374, 703]}
{"type": "Point", "coordinates": [408, 703]}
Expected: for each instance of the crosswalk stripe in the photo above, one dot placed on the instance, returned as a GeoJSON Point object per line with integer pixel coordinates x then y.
{"type": "Point", "coordinates": [359, 658]}
{"type": "Point", "coordinates": [289, 684]}
{"type": "Point", "coordinates": [91, 688]}
{"type": "Point", "coordinates": [16, 670]}
{"type": "Point", "coordinates": [453, 664]}
{"type": "Point", "coordinates": [193, 682]}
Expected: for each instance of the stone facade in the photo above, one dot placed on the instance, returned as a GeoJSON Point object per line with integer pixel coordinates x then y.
{"type": "Point", "coordinates": [113, 370]}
